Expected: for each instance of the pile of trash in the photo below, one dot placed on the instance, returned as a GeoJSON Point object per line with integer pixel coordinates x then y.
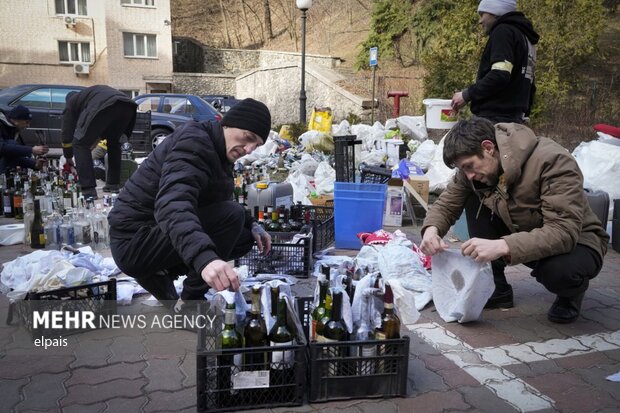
{"type": "Point", "coordinates": [309, 164]}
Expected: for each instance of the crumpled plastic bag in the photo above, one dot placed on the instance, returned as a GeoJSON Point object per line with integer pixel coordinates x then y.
{"type": "Point", "coordinates": [424, 154]}
{"type": "Point", "coordinates": [401, 266]}
{"type": "Point", "coordinates": [262, 152]}
{"type": "Point", "coordinates": [438, 173]}
{"type": "Point", "coordinates": [599, 162]}
{"type": "Point", "coordinates": [336, 282]}
{"type": "Point", "coordinates": [461, 286]}
{"type": "Point", "coordinates": [342, 129]}
{"type": "Point", "coordinates": [413, 126]}
{"type": "Point", "coordinates": [317, 141]}
{"type": "Point", "coordinates": [324, 178]}
{"type": "Point", "coordinates": [301, 186]}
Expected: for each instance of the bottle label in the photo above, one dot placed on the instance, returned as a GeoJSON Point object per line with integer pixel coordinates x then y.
{"type": "Point", "coordinates": [251, 379]}
{"type": "Point", "coordinates": [17, 201]}
{"type": "Point", "coordinates": [313, 335]}
{"type": "Point", "coordinates": [41, 239]}
{"type": "Point", "coordinates": [380, 335]}
{"type": "Point", "coordinates": [282, 359]}
{"type": "Point", "coordinates": [369, 351]}
{"type": "Point", "coordinates": [68, 202]}
{"type": "Point", "coordinates": [86, 234]}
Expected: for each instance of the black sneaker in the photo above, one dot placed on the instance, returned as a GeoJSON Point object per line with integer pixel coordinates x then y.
{"type": "Point", "coordinates": [112, 188]}
{"type": "Point", "coordinates": [565, 310]}
{"type": "Point", "coordinates": [501, 299]}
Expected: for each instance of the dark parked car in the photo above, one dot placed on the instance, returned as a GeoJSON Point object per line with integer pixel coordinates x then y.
{"type": "Point", "coordinates": [189, 106]}
{"type": "Point", "coordinates": [223, 103]}
{"type": "Point", "coordinates": [47, 102]}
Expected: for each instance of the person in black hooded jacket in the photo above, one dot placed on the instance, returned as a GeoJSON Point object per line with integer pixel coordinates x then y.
{"type": "Point", "coordinates": [95, 113]}
{"type": "Point", "coordinates": [176, 214]}
{"type": "Point", "coordinates": [505, 87]}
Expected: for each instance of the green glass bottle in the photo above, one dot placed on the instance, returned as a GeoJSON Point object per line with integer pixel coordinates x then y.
{"type": "Point", "coordinates": [335, 329]}
{"type": "Point", "coordinates": [37, 233]}
{"type": "Point", "coordinates": [282, 361]}
{"type": "Point", "coordinates": [255, 334]}
{"type": "Point", "coordinates": [319, 311]}
{"type": "Point", "coordinates": [320, 325]}
{"type": "Point", "coordinates": [228, 364]}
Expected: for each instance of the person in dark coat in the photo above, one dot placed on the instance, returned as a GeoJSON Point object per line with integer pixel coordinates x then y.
{"type": "Point", "coordinates": [176, 214]}
{"type": "Point", "coordinates": [13, 154]}
{"type": "Point", "coordinates": [505, 85]}
{"type": "Point", "coordinates": [95, 113]}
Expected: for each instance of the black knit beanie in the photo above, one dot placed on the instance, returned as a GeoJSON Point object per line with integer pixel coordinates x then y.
{"type": "Point", "coordinates": [249, 114]}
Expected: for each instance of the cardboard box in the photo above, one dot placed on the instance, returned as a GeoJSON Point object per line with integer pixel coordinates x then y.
{"type": "Point", "coordinates": [420, 184]}
{"type": "Point", "coordinates": [393, 216]}
{"type": "Point", "coordinates": [323, 200]}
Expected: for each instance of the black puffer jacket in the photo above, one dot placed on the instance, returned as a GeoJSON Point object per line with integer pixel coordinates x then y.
{"type": "Point", "coordinates": [189, 169]}
{"type": "Point", "coordinates": [497, 94]}
{"type": "Point", "coordinates": [83, 106]}
{"type": "Point", "coordinates": [9, 148]}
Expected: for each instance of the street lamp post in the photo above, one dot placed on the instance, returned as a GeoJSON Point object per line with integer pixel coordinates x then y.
{"type": "Point", "coordinates": [303, 5]}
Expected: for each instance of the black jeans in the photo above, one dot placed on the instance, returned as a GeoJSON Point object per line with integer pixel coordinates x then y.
{"type": "Point", "coordinates": [565, 275]}
{"type": "Point", "coordinates": [150, 252]}
{"type": "Point", "coordinates": [109, 124]}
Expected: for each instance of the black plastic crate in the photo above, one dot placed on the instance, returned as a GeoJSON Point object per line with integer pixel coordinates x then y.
{"type": "Point", "coordinates": [220, 384]}
{"type": "Point", "coordinates": [322, 220]}
{"type": "Point", "coordinates": [374, 174]}
{"type": "Point", "coordinates": [337, 373]}
{"type": "Point", "coordinates": [344, 150]}
{"type": "Point", "coordinates": [100, 298]}
{"type": "Point", "coordinates": [284, 258]}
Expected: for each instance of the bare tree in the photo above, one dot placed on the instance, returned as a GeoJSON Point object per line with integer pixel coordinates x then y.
{"type": "Point", "coordinates": [259, 20]}
{"type": "Point", "coordinates": [225, 21]}
{"type": "Point", "coordinates": [246, 22]}
{"type": "Point", "coordinates": [268, 27]}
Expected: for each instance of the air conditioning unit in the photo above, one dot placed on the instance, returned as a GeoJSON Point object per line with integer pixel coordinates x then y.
{"type": "Point", "coordinates": [81, 68]}
{"type": "Point", "coordinates": [69, 21]}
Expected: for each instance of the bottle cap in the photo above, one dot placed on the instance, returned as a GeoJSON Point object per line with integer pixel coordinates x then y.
{"type": "Point", "coordinates": [262, 185]}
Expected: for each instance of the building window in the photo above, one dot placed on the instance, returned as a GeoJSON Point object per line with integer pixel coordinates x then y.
{"type": "Point", "coordinates": [74, 52]}
{"type": "Point", "coordinates": [138, 2]}
{"type": "Point", "coordinates": [130, 92]}
{"type": "Point", "coordinates": [77, 7]}
{"type": "Point", "coordinates": [139, 45]}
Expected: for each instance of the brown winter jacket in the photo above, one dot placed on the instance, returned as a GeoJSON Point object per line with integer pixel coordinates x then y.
{"type": "Point", "coordinates": [539, 197]}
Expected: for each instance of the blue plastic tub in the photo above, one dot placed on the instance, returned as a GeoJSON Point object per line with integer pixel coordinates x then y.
{"type": "Point", "coordinates": [357, 208]}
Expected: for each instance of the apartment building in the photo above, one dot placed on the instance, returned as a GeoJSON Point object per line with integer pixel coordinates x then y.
{"type": "Point", "coordinates": [126, 44]}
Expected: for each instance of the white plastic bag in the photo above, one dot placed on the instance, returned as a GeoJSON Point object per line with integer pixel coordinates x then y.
{"type": "Point", "coordinates": [413, 126]}
{"type": "Point", "coordinates": [438, 173]}
{"type": "Point", "coordinates": [461, 286]}
{"type": "Point", "coordinates": [599, 162]}
{"type": "Point", "coordinates": [424, 154]}
{"type": "Point", "coordinates": [324, 178]}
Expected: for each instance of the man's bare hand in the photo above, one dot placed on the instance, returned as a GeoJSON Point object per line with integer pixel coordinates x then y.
{"type": "Point", "coordinates": [432, 243]}
{"type": "Point", "coordinates": [220, 275]}
{"type": "Point", "coordinates": [485, 250]}
{"type": "Point", "coordinates": [40, 150]}
{"type": "Point", "coordinates": [262, 238]}
{"type": "Point", "coordinates": [457, 101]}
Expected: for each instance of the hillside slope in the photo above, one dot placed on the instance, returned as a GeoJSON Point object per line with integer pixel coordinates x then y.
{"type": "Point", "coordinates": [337, 28]}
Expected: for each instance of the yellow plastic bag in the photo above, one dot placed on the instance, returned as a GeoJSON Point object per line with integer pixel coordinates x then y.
{"type": "Point", "coordinates": [321, 120]}
{"type": "Point", "coordinates": [285, 133]}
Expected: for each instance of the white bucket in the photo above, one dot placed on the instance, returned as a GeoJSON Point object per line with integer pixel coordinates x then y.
{"type": "Point", "coordinates": [439, 113]}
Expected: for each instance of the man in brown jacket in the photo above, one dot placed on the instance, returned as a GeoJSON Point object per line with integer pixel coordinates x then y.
{"type": "Point", "coordinates": [525, 203]}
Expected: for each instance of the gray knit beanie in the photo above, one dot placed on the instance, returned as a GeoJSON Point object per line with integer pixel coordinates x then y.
{"type": "Point", "coordinates": [497, 7]}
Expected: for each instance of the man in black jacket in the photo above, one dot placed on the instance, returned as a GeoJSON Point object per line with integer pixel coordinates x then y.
{"type": "Point", "coordinates": [95, 113]}
{"type": "Point", "coordinates": [176, 214]}
{"type": "Point", "coordinates": [13, 154]}
{"type": "Point", "coordinates": [504, 89]}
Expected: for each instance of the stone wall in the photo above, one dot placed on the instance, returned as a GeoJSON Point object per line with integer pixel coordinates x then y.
{"type": "Point", "coordinates": [279, 88]}
{"type": "Point", "coordinates": [188, 55]}
{"type": "Point", "coordinates": [203, 83]}
{"type": "Point", "coordinates": [237, 61]}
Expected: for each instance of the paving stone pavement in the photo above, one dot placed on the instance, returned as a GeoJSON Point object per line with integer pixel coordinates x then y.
{"type": "Point", "coordinates": [508, 361]}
